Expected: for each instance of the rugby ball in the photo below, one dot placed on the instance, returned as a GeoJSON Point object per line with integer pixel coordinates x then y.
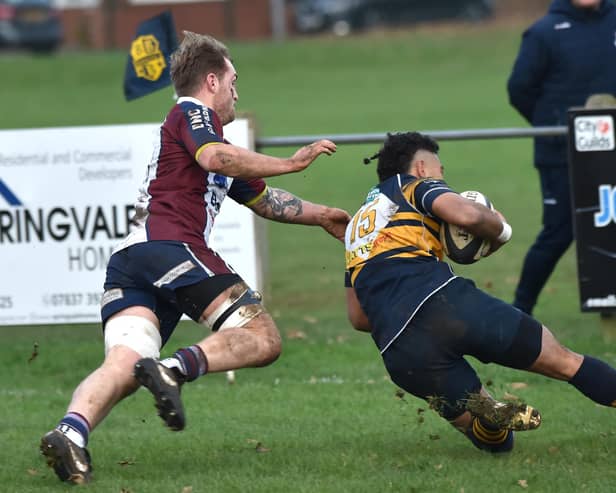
{"type": "Point", "coordinates": [459, 245]}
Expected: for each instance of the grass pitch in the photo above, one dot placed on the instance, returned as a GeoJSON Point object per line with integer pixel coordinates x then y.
{"type": "Point", "coordinates": [324, 417]}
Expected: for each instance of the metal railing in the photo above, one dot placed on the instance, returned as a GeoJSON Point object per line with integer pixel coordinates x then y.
{"type": "Point", "coordinates": [379, 137]}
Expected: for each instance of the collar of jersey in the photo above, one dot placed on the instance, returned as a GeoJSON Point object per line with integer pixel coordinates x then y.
{"type": "Point", "coordinates": [184, 99]}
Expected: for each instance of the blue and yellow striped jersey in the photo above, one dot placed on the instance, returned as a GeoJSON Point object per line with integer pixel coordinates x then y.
{"type": "Point", "coordinates": [393, 253]}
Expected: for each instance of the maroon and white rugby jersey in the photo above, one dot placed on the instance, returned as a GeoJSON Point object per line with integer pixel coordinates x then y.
{"type": "Point", "coordinates": [178, 199]}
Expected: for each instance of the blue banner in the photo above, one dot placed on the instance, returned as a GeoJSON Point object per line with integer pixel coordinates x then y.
{"type": "Point", "coordinates": [147, 68]}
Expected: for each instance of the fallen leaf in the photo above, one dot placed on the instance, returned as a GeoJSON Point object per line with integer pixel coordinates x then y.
{"type": "Point", "coordinates": [518, 385]}
{"type": "Point", "coordinates": [310, 320]}
{"type": "Point", "coordinates": [523, 483]}
{"type": "Point", "coordinates": [296, 334]}
{"type": "Point", "coordinates": [260, 448]}
{"type": "Point", "coordinates": [187, 489]}
{"type": "Point", "coordinates": [438, 467]}
{"type": "Point", "coordinates": [32, 472]}
{"type": "Point", "coordinates": [510, 397]}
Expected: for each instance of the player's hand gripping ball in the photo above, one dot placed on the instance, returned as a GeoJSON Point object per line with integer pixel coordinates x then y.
{"type": "Point", "coordinates": [461, 246]}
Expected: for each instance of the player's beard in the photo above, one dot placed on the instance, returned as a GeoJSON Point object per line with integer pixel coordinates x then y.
{"type": "Point", "coordinates": [226, 112]}
{"type": "Point", "coordinates": [227, 116]}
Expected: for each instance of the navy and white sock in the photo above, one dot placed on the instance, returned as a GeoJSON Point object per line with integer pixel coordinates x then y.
{"type": "Point", "coordinates": [76, 428]}
{"type": "Point", "coordinates": [191, 362]}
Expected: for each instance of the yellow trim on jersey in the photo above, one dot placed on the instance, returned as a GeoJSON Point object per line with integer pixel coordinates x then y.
{"type": "Point", "coordinates": [257, 198]}
{"type": "Point", "coordinates": [409, 194]}
{"type": "Point", "coordinates": [418, 253]}
{"type": "Point", "coordinates": [416, 216]}
{"type": "Point", "coordinates": [408, 191]}
{"type": "Point", "coordinates": [200, 150]}
{"type": "Point", "coordinates": [394, 237]}
{"type": "Point", "coordinates": [388, 242]}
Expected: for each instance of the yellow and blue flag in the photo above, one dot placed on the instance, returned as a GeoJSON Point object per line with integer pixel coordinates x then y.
{"type": "Point", "coordinates": [147, 69]}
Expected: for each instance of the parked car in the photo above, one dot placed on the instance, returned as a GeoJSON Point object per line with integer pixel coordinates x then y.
{"type": "Point", "coordinates": [31, 24]}
{"type": "Point", "coordinates": [345, 16]}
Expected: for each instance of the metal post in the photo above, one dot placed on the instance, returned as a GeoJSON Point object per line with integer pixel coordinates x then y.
{"type": "Point", "coordinates": [279, 19]}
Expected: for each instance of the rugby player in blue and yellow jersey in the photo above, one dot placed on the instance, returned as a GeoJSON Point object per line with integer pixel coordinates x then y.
{"type": "Point", "coordinates": [424, 319]}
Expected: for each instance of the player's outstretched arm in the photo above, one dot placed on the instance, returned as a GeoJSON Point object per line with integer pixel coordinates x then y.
{"type": "Point", "coordinates": [282, 206]}
{"type": "Point", "coordinates": [237, 162]}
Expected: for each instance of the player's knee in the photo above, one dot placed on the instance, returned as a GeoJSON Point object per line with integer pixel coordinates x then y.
{"type": "Point", "coordinates": [135, 333]}
{"type": "Point", "coordinates": [269, 340]}
{"type": "Point", "coordinates": [272, 347]}
{"type": "Point", "coordinates": [118, 368]}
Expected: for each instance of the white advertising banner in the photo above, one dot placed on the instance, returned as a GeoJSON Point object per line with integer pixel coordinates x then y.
{"type": "Point", "coordinates": [66, 199]}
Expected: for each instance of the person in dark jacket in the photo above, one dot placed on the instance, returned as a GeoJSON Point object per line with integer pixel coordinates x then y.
{"type": "Point", "coordinates": [564, 57]}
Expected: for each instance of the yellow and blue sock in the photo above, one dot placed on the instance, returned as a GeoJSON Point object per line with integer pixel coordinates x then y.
{"type": "Point", "coordinates": [487, 437]}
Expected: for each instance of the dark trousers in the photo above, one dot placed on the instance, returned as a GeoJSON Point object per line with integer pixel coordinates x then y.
{"type": "Point", "coordinates": [553, 239]}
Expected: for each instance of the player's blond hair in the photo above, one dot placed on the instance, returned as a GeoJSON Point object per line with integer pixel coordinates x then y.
{"type": "Point", "coordinates": [197, 56]}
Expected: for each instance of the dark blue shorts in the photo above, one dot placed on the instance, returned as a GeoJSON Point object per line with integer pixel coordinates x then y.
{"type": "Point", "coordinates": [170, 278]}
{"type": "Point", "coordinates": [427, 359]}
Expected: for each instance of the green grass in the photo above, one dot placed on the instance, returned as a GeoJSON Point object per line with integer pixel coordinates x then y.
{"type": "Point", "coordinates": [324, 417]}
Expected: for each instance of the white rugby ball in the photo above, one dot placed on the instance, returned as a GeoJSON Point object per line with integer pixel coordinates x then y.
{"type": "Point", "coordinates": [461, 246]}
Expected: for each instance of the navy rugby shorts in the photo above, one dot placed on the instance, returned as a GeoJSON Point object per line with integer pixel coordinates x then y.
{"type": "Point", "coordinates": [168, 277]}
{"type": "Point", "coordinates": [427, 358]}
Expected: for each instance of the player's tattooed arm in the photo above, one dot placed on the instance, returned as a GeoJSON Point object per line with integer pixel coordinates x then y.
{"type": "Point", "coordinates": [280, 205]}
